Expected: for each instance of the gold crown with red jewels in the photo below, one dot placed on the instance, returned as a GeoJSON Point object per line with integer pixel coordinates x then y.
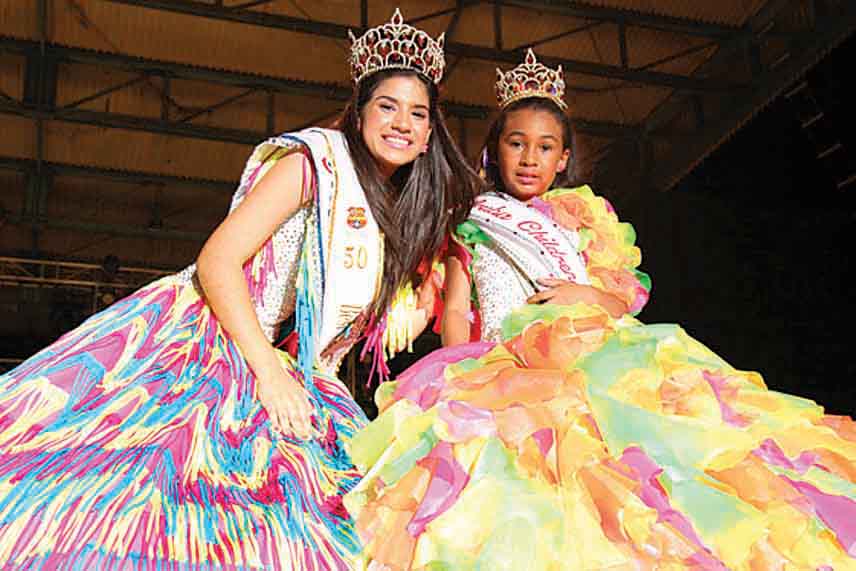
{"type": "Point", "coordinates": [530, 79]}
{"type": "Point", "coordinates": [396, 45]}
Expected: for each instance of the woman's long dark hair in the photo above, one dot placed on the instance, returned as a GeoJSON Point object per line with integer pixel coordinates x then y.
{"type": "Point", "coordinates": [571, 176]}
{"type": "Point", "coordinates": [422, 202]}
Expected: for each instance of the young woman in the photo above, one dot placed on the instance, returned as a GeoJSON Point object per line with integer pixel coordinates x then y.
{"type": "Point", "coordinates": [166, 432]}
{"type": "Point", "coordinates": [571, 436]}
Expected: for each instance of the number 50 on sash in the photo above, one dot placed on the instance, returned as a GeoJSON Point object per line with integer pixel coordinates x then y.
{"type": "Point", "coordinates": [356, 257]}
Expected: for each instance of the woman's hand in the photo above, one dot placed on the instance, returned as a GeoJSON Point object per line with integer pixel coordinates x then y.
{"type": "Point", "coordinates": [286, 402]}
{"type": "Point", "coordinates": [568, 293]}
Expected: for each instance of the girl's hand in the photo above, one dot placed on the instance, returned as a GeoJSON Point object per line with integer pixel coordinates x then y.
{"type": "Point", "coordinates": [455, 328]}
{"type": "Point", "coordinates": [286, 402]}
{"type": "Point", "coordinates": [561, 292]}
{"type": "Point", "coordinates": [568, 293]}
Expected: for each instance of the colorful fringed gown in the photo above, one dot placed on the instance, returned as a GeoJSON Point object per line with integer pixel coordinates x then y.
{"type": "Point", "coordinates": [135, 442]}
{"type": "Point", "coordinates": [569, 440]}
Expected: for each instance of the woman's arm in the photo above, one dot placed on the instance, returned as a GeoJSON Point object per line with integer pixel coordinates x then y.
{"type": "Point", "coordinates": [568, 293]}
{"type": "Point", "coordinates": [276, 197]}
{"type": "Point", "coordinates": [456, 324]}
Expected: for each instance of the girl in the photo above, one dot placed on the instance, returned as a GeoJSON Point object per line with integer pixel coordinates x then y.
{"type": "Point", "coordinates": [571, 436]}
{"type": "Point", "coordinates": [166, 432]}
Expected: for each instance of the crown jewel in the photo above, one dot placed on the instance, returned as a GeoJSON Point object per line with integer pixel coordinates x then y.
{"type": "Point", "coordinates": [530, 79]}
{"type": "Point", "coordinates": [396, 45]}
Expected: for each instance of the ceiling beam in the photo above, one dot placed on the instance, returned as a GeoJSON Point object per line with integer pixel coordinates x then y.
{"type": "Point", "coordinates": [727, 53]}
{"type": "Point", "coordinates": [630, 75]}
{"type": "Point", "coordinates": [221, 134]}
{"type": "Point", "coordinates": [133, 123]}
{"type": "Point", "coordinates": [116, 175]}
{"type": "Point", "coordinates": [340, 32]}
{"type": "Point", "coordinates": [120, 230]}
{"type": "Point", "coordinates": [685, 26]}
{"type": "Point", "coordinates": [804, 52]}
{"type": "Point", "coordinates": [177, 70]}
{"type": "Point", "coordinates": [332, 92]}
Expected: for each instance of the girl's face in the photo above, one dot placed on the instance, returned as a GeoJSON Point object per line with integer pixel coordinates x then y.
{"type": "Point", "coordinates": [530, 152]}
{"type": "Point", "coordinates": [395, 123]}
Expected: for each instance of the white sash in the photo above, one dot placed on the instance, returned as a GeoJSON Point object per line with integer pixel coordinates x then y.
{"type": "Point", "coordinates": [531, 241]}
{"type": "Point", "coordinates": [350, 243]}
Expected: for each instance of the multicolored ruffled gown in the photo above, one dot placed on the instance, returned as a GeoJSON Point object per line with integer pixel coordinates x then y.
{"type": "Point", "coordinates": [135, 441]}
{"type": "Point", "coordinates": [568, 440]}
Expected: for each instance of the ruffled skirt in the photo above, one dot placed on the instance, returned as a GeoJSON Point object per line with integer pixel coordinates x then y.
{"type": "Point", "coordinates": [586, 444]}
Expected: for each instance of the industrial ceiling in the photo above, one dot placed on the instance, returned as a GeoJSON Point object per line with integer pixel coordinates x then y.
{"type": "Point", "coordinates": [126, 122]}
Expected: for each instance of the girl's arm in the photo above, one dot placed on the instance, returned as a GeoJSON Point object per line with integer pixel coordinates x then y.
{"type": "Point", "coordinates": [276, 197]}
{"type": "Point", "coordinates": [568, 293]}
{"type": "Point", "coordinates": [456, 325]}
{"type": "Point", "coordinates": [423, 313]}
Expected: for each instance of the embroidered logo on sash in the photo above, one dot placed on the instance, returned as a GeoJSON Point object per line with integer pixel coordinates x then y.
{"type": "Point", "coordinates": [356, 217]}
{"type": "Point", "coordinates": [349, 242]}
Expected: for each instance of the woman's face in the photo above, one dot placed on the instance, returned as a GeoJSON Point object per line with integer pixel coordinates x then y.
{"type": "Point", "coordinates": [531, 152]}
{"type": "Point", "coordinates": [395, 123]}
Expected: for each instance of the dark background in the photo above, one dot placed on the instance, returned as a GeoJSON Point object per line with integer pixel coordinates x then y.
{"type": "Point", "coordinates": [751, 253]}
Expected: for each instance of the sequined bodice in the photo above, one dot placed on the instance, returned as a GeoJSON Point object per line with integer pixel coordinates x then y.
{"type": "Point", "coordinates": [501, 287]}
{"type": "Point", "coordinates": [273, 271]}
{"type": "Point", "coordinates": [276, 304]}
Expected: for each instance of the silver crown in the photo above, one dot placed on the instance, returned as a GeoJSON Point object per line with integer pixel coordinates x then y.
{"type": "Point", "coordinates": [396, 45]}
{"type": "Point", "coordinates": [530, 79]}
